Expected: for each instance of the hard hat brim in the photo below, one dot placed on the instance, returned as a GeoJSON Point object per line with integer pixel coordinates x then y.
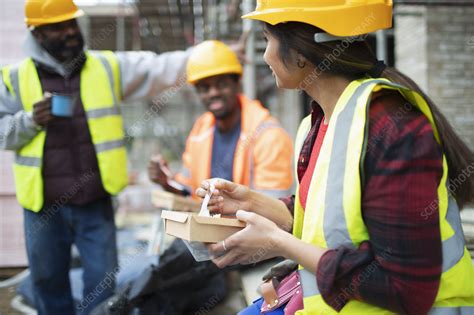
{"type": "Point", "coordinates": [326, 20]}
{"type": "Point", "coordinates": [56, 19]}
{"type": "Point", "coordinates": [214, 72]}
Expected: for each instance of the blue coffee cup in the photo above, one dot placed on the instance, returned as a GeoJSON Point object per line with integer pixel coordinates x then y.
{"type": "Point", "coordinates": [62, 105]}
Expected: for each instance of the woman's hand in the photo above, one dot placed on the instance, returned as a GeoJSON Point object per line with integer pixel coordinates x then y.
{"type": "Point", "coordinates": [227, 198]}
{"type": "Point", "coordinates": [259, 240]}
{"type": "Point", "coordinates": [262, 239]}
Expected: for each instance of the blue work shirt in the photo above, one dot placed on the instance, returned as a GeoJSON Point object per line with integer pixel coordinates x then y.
{"type": "Point", "coordinates": [223, 151]}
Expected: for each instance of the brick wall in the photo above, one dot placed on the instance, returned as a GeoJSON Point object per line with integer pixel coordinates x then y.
{"type": "Point", "coordinates": [435, 46]}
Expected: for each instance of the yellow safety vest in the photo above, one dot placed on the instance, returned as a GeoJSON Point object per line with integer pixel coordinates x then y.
{"type": "Point", "coordinates": [100, 95]}
{"type": "Point", "coordinates": [336, 187]}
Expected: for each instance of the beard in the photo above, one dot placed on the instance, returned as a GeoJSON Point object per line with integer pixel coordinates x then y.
{"type": "Point", "coordinates": [62, 52]}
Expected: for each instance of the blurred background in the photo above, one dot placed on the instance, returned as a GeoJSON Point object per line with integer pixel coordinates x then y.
{"type": "Point", "coordinates": [432, 41]}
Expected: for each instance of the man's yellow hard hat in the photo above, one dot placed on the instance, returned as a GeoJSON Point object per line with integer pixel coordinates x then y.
{"type": "Point", "coordinates": [336, 17]}
{"type": "Point", "coordinates": [41, 12]}
{"type": "Point", "coordinates": [211, 58]}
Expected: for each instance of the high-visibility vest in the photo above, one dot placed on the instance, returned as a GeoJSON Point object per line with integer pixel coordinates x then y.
{"type": "Point", "coordinates": [262, 158]}
{"type": "Point", "coordinates": [100, 95]}
{"type": "Point", "coordinates": [333, 214]}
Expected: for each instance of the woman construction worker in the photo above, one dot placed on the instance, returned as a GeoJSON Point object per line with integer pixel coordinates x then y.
{"type": "Point", "coordinates": [374, 225]}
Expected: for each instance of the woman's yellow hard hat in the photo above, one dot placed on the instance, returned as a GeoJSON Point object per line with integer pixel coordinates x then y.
{"type": "Point", "coordinates": [336, 17]}
{"type": "Point", "coordinates": [211, 58]}
{"type": "Point", "coordinates": [41, 12]}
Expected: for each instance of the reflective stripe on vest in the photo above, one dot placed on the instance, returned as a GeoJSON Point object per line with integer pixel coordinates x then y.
{"type": "Point", "coordinates": [100, 95]}
{"type": "Point", "coordinates": [11, 81]}
{"type": "Point", "coordinates": [463, 310]}
{"type": "Point", "coordinates": [275, 193]}
{"type": "Point", "coordinates": [343, 224]}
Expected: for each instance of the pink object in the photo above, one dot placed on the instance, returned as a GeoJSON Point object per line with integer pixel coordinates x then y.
{"type": "Point", "coordinates": [290, 293]}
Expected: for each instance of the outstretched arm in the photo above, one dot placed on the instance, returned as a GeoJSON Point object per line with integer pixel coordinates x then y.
{"type": "Point", "coordinates": [145, 74]}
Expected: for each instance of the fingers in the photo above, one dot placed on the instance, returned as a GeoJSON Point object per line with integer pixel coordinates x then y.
{"type": "Point", "coordinates": [227, 260]}
{"type": "Point", "coordinates": [217, 249]}
{"type": "Point", "coordinates": [158, 162]}
{"type": "Point", "coordinates": [42, 116]}
{"type": "Point", "coordinates": [155, 172]}
{"type": "Point", "coordinates": [42, 110]}
{"type": "Point", "coordinates": [246, 216]}
{"type": "Point", "coordinates": [219, 184]}
{"type": "Point", "coordinates": [216, 197]}
{"type": "Point", "coordinates": [163, 165]}
{"type": "Point", "coordinates": [225, 185]}
{"type": "Point", "coordinates": [201, 192]}
{"type": "Point", "coordinates": [44, 103]}
{"type": "Point", "coordinates": [223, 258]}
{"type": "Point", "coordinates": [206, 185]}
{"type": "Point", "coordinates": [216, 204]}
{"type": "Point", "coordinates": [154, 167]}
{"type": "Point", "coordinates": [42, 119]}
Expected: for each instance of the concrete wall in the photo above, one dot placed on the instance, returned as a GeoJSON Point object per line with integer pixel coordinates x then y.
{"type": "Point", "coordinates": [12, 252]}
{"type": "Point", "coordinates": [12, 31]}
{"type": "Point", "coordinates": [435, 46]}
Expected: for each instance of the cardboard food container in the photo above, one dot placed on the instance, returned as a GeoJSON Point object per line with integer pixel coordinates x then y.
{"type": "Point", "coordinates": [166, 200]}
{"type": "Point", "coordinates": [194, 228]}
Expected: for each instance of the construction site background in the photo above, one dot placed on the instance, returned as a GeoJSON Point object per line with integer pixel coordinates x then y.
{"type": "Point", "coordinates": [432, 42]}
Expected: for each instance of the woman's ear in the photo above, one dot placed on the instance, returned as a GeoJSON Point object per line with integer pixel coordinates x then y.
{"type": "Point", "coordinates": [301, 61]}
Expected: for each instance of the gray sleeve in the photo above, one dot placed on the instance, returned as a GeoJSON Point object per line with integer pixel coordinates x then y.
{"type": "Point", "coordinates": [145, 74]}
{"type": "Point", "coordinates": [17, 127]}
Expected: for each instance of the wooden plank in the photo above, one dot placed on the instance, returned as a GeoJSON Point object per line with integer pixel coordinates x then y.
{"type": "Point", "coordinates": [165, 200]}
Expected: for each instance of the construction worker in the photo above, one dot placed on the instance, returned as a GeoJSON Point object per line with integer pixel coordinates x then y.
{"type": "Point", "coordinates": [59, 110]}
{"type": "Point", "coordinates": [375, 218]}
{"type": "Point", "coordinates": [236, 139]}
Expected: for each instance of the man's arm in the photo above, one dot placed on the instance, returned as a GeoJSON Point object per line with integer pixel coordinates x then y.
{"type": "Point", "coordinates": [17, 127]}
{"type": "Point", "coordinates": [145, 74]}
{"type": "Point", "coordinates": [159, 173]}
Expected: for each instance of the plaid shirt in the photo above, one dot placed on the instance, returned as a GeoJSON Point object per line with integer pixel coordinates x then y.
{"type": "Point", "coordinates": [399, 267]}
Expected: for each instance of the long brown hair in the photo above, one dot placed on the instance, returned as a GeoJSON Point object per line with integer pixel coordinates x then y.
{"type": "Point", "coordinates": [354, 60]}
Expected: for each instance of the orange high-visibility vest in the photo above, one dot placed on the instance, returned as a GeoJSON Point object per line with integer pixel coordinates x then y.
{"type": "Point", "coordinates": [262, 158]}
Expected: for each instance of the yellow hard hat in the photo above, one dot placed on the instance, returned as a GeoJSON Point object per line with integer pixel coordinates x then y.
{"type": "Point", "coordinates": [211, 58]}
{"type": "Point", "coordinates": [41, 12]}
{"type": "Point", "coordinates": [336, 17]}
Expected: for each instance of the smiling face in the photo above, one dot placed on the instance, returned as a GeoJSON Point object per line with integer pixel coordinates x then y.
{"type": "Point", "coordinates": [62, 40]}
{"type": "Point", "coordinates": [287, 75]}
{"type": "Point", "coordinates": [219, 94]}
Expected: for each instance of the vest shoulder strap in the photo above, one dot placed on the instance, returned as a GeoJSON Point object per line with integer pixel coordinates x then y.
{"type": "Point", "coordinates": [10, 78]}
{"type": "Point", "coordinates": [110, 62]}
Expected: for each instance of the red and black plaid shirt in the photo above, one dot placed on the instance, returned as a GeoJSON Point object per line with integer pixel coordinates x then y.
{"type": "Point", "coordinates": [399, 267]}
